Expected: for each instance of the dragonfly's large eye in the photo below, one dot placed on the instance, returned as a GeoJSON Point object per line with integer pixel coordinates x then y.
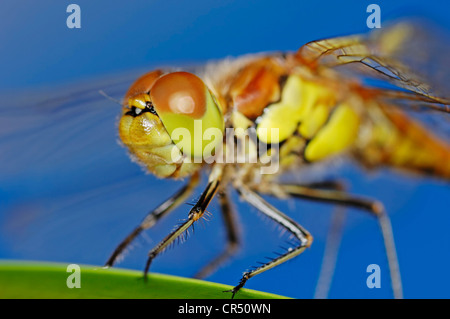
{"type": "Point", "coordinates": [189, 113]}
{"type": "Point", "coordinates": [137, 99]}
{"type": "Point", "coordinates": [143, 84]}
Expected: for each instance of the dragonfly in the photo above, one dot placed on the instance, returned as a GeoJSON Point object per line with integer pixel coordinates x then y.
{"type": "Point", "coordinates": [294, 109]}
{"type": "Point", "coordinates": [350, 97]}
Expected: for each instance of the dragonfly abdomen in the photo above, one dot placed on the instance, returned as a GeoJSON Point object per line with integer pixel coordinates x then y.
{"type": "Point", "coordinates": [397, 140]}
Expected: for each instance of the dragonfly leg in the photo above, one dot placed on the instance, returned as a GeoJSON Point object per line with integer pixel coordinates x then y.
{"type": "Point", "coordinates": [195, 214]}
{"type": "Point", "coordinates": [330, 254]}
{"type": "Point", "coordinates": [326, 184]}
{"type": "Point", "coordinates": [334, 237]}
{"type": "Point", "coordinates": [152, 217]}
{"type": "Point", "coordinates": [301, 234]}
{"type": "Point", "coordinates": [374, 207]}
{"type": "Point", "coordinates": [233, 242]}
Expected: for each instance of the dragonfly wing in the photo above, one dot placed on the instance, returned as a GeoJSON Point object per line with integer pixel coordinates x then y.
{"type": "Point", "coordinates": [51, 126]}
{"type": "Point", "coordinates": [64, 176]}
{"type": "Point", "coordinates": [380, 56]}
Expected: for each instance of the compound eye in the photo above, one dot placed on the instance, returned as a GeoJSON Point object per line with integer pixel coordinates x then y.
{"type": "Point", "coordinates": [143, 84]}
{"type": "Point", "coordinates": [180, 93]}
{"type": "Point", "coordinates": [183, 102]}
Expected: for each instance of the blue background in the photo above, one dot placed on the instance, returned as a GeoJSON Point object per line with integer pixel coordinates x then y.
{"type": "Point", "coordinates": [69, 192]}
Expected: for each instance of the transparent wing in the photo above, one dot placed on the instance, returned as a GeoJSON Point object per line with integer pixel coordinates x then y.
{"type": "Point", "coordinates": [51, 125]}
{"type": "Point", "coordinates": [401, 55]}
{"type": "Point", "coordinates": [63, 173]}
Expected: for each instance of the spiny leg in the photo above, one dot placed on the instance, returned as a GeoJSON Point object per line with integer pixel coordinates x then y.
{"type": "Point", "coordinates": [374, 207]}
{"type": "Point", "coordinates": [229, 217]}
{"type": "Point", "coordinates": [155, 215]}
{"type": "Point", "coordinates": [194, 214]}
{"type": "Point", "coordinates": [333, 241]}
{"type": "Point", "coordinates": [305, 239]}
{"type": "Point", "coordinates": [331, 196]}
{"type": "Point", "coordinates": [326, 184]}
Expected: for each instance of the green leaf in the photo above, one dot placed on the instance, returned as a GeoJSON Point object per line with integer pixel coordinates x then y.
{"type": "Point", "coordinates": [49, 280]}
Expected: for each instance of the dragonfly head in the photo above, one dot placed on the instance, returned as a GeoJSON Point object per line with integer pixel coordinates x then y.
{"type": "Point", "coordinates": [171, 122]}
